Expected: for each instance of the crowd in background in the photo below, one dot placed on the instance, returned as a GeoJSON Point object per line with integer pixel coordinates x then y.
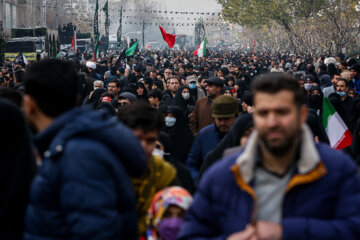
{"type": "Point", "coordinates": [127, 162]}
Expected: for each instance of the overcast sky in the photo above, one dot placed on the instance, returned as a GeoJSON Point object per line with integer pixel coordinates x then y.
{"type": "Point", "coordinates": [193, 5]}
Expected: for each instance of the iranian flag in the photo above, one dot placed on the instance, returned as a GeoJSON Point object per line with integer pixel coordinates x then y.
{"type": "Point", "coordinates": [201, 49]}
{"type": "Point", "coordinates": [339, 135]}
{"type": "Point", "coordinates": [98, 44]}
{"type": "Point", "coordinates": [73, 44]}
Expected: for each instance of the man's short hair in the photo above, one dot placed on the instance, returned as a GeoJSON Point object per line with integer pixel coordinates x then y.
{"type": "Point", "coordinates": [54, 85]}
{"type": "Point", "coordinates": [174, 77]}
{"type": "Point", "coordinates": [117, 82]}
{"type": "Point", "coordinates": [141, 115]}
{"type": "Point", "coordinates": [273, 83]}
{"type": "Point", "coordinates": [155, 93]}
{"type": "Point", "coordinates": [202, 78]}
{"type": "Point", "coordinates": [20, 75]}
{"type": "Point", "coordinates": [344, 80]}
{"type": "Point", "coordinates": [11, 95]}
{"type": "Point", "coordinates": [99, 82]}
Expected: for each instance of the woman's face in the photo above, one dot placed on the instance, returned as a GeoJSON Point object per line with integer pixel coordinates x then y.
{"type": "Point", "coordinates": [174, 212]}
{"type": "Point", "coordinates": [154, 86]}
{"type": "Point", "coordinates": [140, 91]}
{"type": "Point", "coordinates": [185, 90]}
{"type": "Point", "coordinates": [234, 94]}
{"type": "Point", "coordinates": [228, 92]}
{"type": "Point", "coordinates": [170, 115]}
{"type": "Point", "coordinates": [315, 92]}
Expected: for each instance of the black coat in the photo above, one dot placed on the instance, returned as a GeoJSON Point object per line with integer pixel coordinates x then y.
{"type": "Point", "coordinates": [180, 134]}
{"type": "Point", "coordinates": [183, 174]}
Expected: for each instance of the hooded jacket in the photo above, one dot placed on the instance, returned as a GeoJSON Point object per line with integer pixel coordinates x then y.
{"type": "Point", "coordinates": [83, 188]}
{"type": "Point", "coordinates": [320, 202]}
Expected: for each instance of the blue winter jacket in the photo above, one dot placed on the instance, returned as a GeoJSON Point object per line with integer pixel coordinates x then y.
{"type": "Point", "coordinates": [323, 204]}
{"type": "Point", "coordinates": [206, 140]}
{"type": "Point", "coordinates": [83, 188]}
{"type": "Point", "coordinates": [355, 84]}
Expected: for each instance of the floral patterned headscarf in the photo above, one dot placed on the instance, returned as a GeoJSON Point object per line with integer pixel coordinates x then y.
{"type": "Point", "coordinates": [177, 196]}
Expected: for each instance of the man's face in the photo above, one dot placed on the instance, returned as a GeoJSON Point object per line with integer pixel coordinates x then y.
{"type": "Point", "coordinates": [147, 140]}
{"type": "Point", "coordinates": [167, 73]}
{"type": "Point", "coordinates": [112, 88]}
{"type": "Point", "coordinates": [174, 84]}
{"type": "Point", "coordinates": [153, 75]}
{"type": "Point", "coordinates": [123, 102]}
{"type": "Point", "coordinates": [203, 84]}
{"type": "Point", "coordinates": [341, 86]}
{"type": "Point", "coordinates": [181, 71]}
{"type": "Point", "coordinates": [278, 120]}
{"type": "Point", "coordinates": [353, 73]}
{"type": "Point", "coordinates": [97, 85]}
{"type": "Point", "coordinates": [224, 124]}
{"type": "Point", "coordinates": [153, 101]}
{"type": "Point", "coordinates": [335, 79]}
{"type": "Point", "coordinates": [127, 72]}
{"type": "Point", "coordinates": [212, 90]}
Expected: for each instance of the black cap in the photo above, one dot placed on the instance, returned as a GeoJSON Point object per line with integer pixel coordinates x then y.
{"type": "Point", "coordinates": [215, 81]}
{"type": "Point", "coordinates": [356, 68]}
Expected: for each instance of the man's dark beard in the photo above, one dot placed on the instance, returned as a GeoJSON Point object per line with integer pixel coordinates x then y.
{"type": "Point", "coordinates": [281, 150]}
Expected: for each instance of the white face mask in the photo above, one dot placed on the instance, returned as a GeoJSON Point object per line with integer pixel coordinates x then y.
{"type": "Point", "coordinates": [170, 121]}
{"type": "Point", "coordinates": [307, 86]}
{"type": "Point", "coordinates": [158, 152]}
{"type": "Point", "coordinates": [186, 96]}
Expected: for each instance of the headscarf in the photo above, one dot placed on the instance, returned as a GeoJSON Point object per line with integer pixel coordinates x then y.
{"type": "Point", "coordinates": [316, 127]}
{"type": "Point", "coordinates": [180, 101]}
{"type": "Point", "coordinates": [180, 134]}
{"type": "Point", "coordinates": [145, 93]}
{"type": "Point", "coordinates": [325, 81]}
{"type": "Point", "coordinates": [17, 169]}
{"type": "Point", "coordinates": [94, 100]}
{"type": "Point", "coordinates": [162, 200]}
{"type": "Point", "coordinates": [315, 101]}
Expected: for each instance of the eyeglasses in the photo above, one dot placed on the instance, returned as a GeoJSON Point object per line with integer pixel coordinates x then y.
{"type": "Point", "coordinates": [168, 72]}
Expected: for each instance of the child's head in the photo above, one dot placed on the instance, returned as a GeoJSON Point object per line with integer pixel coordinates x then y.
{"type": "Point", "coordinates": [167, 212]}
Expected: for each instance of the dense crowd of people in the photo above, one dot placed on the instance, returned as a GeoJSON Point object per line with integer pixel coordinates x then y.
{"type": "Point", "coordinates": [167, 145]}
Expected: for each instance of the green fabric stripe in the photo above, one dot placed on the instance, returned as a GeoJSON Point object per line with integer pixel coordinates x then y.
{"type": "Point", "coordinates": [132, 49]}
{"type": "Point", "coordinates": [328, 111]}
{"type": "Point", "coordinates": [204, 47]}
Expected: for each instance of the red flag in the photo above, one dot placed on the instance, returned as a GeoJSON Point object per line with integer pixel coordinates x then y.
{"type": "Point", "coordinates": [72, 43]}
{"type": "Point", "coordinates": [168, 38]}
{"type": "Point", "coordinates": [253, 51]}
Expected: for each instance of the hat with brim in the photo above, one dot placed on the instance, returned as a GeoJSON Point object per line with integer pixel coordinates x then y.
{"type": "Point", "coordinates": [215, 81]}
{"type": "Point", "coordinates": [225, 106]}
